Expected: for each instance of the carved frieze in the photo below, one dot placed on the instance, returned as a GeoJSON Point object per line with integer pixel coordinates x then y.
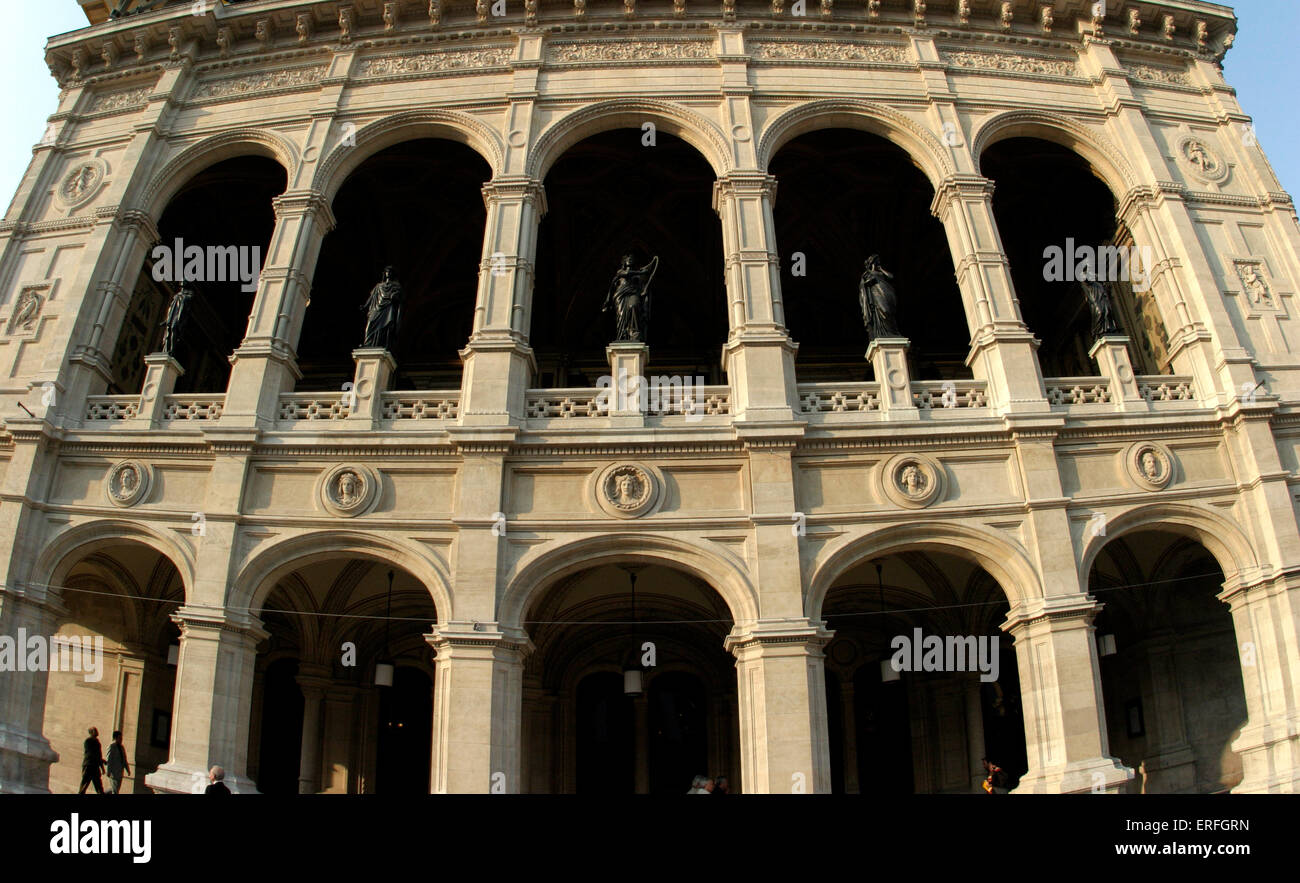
{"type": "Point", "coordinates": [106, 101]}
{"type": "Point", "coordinates": [830, 51]}
{"type": "Point", "coordinates": [252, 84]}
{"type": "Point", "coordinates": [1152, 74]}
{"type": "Point", "coordinates": [426, 62]}
{"type": "Point", "coordinates": [631, 50]}
{"type": "Point", "coordinates": [1021, 64]}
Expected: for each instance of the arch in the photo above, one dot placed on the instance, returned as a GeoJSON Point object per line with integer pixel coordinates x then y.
{"type": "Point", "coordinates": [539, 571]}
{"type": "Point", "coordinates": [1004, 559]}
{"type": "Point", "coordinates": [686, 124]}
{"type": "Point", "coordinates": [75, 544]}
{"type": "Point", "coordinates": [210, 151]}
{"type": "Point", "coordinates": [1221, 538]}
{"type": "Point", "coordinates": [1107, 162]}
{"type": "Point", "coordinates": [259, 575]}
{"type": "Point", "coordinates": [412, 125]}
{"type": "Point", "coordinates": [846, 113]}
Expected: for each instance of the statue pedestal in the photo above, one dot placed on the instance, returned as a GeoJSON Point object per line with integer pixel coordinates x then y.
{"type": "Point", "coordinates": [1111, 355]}
{"type": "Point", "coordinates": [627, 382]}
{"type": "Point", "coordinates": [375, 366]}
{"type": "Point", "coordinates": [161, 373]}
{"type": "Point", "coordinates": [888, 356]}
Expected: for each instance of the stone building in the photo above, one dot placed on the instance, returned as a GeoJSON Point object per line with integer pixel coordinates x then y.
{"type": "Point", "coordinates": [268, 518]}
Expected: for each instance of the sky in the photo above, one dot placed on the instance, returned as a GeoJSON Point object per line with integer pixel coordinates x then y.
{"type": "Point", "coordinates": [1261, 67]}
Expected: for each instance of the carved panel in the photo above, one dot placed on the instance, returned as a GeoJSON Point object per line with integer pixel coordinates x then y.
{"type": "Point", "coordinates": [254, 83]}
{"type": "Point", "coordinates": [427, 62]}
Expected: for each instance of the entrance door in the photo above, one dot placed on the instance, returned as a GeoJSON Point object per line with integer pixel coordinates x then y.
{"type": "Point", "coordinates": [606, 740]}
{"type": "Point", "coordinates": [405, 734]}
{"type": "Point", "coordinates": [679, 748]}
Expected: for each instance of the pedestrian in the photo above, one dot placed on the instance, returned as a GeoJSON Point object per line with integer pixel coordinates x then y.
{"type": "Point", "coordinates": [697, 785]}
{"type": "Point", "coordinates": [117, 765]}
{"type": "Point", "coordinates": [996, 782]}
{"type": "Point", "coordinates": [215, 776]}
{"type": "Point", "coordinates": [720, 785]}
{"type": "Point", "coordinates": [92, 763]}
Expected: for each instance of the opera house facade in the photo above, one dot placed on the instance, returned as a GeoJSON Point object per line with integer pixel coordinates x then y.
{"type": "Point", "coordinates": [549, 396]}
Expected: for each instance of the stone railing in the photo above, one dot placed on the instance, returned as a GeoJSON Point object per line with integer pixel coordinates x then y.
{"type": "Point", "coordinates": [936, 395]}
{"type": "Point", "coordinates": [663, 401]}
{"type": "Point", "coordinates": [1066, 391]}
{"type": "Point", "coordinates": [193, 407]}
{"type": "Point", "coordinates": [435, 405]}
{"type": "Point", "coordinates": [549, 404]}
{"type": "Point", "coordinates": [112, 407]}
{"type": "Point", "coordinates": [821, 398]}
{"type": "Point", "coordinates": [1166, 388]}
{"type": "Point", "coordinates": [1069, 391]}
{"type": "Point", "coordinates": [315, 406]}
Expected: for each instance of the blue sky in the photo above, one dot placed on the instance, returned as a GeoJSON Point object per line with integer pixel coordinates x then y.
{"type": "Point", "coordinates": [1261, 66]}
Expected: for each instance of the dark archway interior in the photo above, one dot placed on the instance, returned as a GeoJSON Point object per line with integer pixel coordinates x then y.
{"type": "Point", "coordinates": [280, 753]}
{"type": "Point", "coordinates": [417, 206]}
{"type": "Point", "coordinates": [405, 734]}
{"type": "Point", "coordinates": [1046, 194]}
{"type": "Point", "coordinates": [609, 195]}
{"type": "Point", "coordinates": [843, 195]}
{"type": "Point", "coordinates": [913, 734]}
{"type": "Point", "coordinates": [1173, 691]}
{"type": "Point", "coordinates": [227, 204]}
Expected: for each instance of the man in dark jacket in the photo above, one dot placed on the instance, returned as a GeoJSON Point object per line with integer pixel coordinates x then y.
{"type": "Point", "coordinates": [92, 763]}
{"type": "Point", "coordinates": [215, 775]}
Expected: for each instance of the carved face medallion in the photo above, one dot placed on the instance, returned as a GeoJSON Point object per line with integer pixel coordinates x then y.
{"type": "Point", "coordinates": [912, 481]}
{"type": "Point", "coordinates": [128, 482]}
{"type": "Point", "coordinates": [627, 490]}
{"type": "Point", "coordinates": [349, 490]}
{"type": "Point", "coordinates": [1150, 465]}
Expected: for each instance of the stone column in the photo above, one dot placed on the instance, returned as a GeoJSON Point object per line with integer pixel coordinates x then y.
{"type": "Point", "coordinates": [499, 363]}
{"type": "Point", "coordinates": [782, 688]}
{"type": "Point", "coordinates": [1111, 355]}
{"type": "Point", "coordinates": [314, 684]}
{"type": "Point", "coordinates": [975, 733]}
{"type": "Point", "coordinates": [1060, 686]}
{"type": "Point", "coordinates": [759, 355]}
{"type": "Point", "coordinates": [265, 364]}
{"type": "Point", "coordinates": [888, 358]}
{"type": "Point", "coordinates": [25, 753]}
{"type": "Point", "coordinates": [211, 711]}
{"type": "Point", "coordinates": [641, 721]}
{"type": "Point", "coordinates": [340, 760]}
{"type": "Point", "coordinates": [849, 714]}
{"type": "Point", "coordinates": [477, 709]}
{"type": "Point", "coordinates": [1003, 349]}
{"type": "Point", "coordinates": [1265, 616]}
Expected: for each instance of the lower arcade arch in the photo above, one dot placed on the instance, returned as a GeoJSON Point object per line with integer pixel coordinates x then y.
{"type": "Point", "coordinates": [320, 721]}
{"type": "Point", "coordinates": [921, 686]}
{"type": "Point", "coordinates": [116, 649]}
{"type": "Point", "coordinates": [1170, 670]}
{"type": "Point", "coordinates": [582, 732]}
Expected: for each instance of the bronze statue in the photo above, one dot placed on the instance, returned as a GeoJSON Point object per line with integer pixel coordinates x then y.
{"type": "Point", "coordinates": [1103, 316]}
{"type": "Point", "coordinates": [629, 293]}
{"type": "Point", "coordinates": [177, 314]}
{"type": "Point", "coordinates": [383, 310]}
{"type": "Point", "coordinates": [878, 301]}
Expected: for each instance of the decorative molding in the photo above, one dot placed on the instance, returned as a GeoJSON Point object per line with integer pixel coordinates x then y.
{"type": "Point", "coordinates": [431, 62]}
{"type": "Point", "coordinates": [1017, 63]}
{"type": "Point", "coordinates": [629, 50]}
{"type": "Point", "coordinates": [259, 84]}
{"type": "Point", "coordinates": [830, 50]}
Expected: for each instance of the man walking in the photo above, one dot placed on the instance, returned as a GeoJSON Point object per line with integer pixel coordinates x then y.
{"type": "Point", "coordinates": [117, 765]}
{"type": "Point", "coordinates": [92, 763]}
